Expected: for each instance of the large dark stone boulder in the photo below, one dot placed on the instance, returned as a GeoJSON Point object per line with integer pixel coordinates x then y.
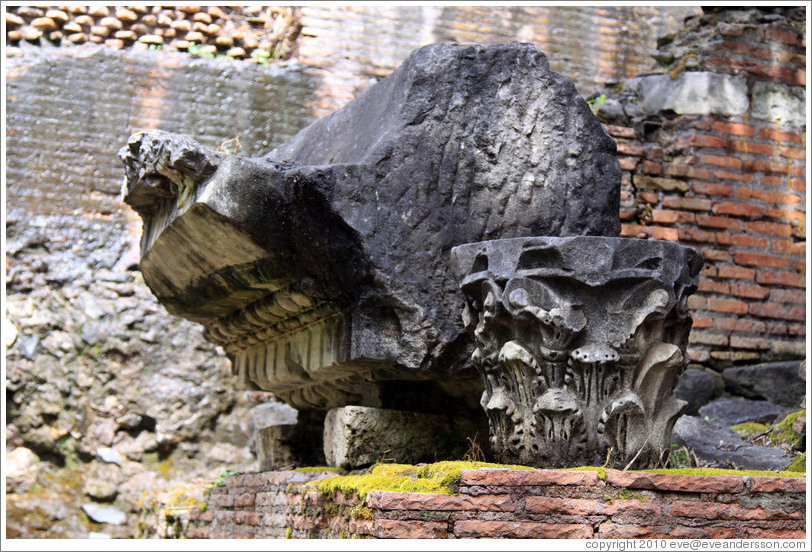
{"type": "Point", "coordinates": [778, 382]}
{"type": "Point", "coordinates": [323, 268]}
{"type": "Point", "coordinates": [720, 447]}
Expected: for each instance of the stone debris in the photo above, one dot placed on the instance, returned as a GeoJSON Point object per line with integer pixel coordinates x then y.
{"type": "Point", "coordinates": [777, 382]}
{"type": "Point", "coordinates": [104, 514]}
{"type": "Point", "coordinates": [720, 447]}
{"type": "Point", "coordinates": [726, 412]}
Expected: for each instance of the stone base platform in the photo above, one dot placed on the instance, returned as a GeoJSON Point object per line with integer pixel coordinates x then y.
{"type": "Point", "coordinates": [497, 503]}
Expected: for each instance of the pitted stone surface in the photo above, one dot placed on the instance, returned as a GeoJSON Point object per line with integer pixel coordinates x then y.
{"type": "Point", "coordinates": [323, 268]}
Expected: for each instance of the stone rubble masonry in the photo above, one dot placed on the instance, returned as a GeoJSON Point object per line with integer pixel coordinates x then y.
{"type": "Point", "coordinates": [510, 504]}
{"type": "Point", "coordinates": [729, 180]}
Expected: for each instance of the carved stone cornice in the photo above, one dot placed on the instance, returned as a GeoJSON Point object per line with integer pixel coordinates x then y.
{"type": "Point", "coordinates": [579, 342]}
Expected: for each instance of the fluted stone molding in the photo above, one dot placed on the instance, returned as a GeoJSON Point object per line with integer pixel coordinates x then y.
{"type": "Point", "coordinates": [580, 342]}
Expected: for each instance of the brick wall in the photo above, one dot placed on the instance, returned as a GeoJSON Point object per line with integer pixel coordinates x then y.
{"type": "Point", "coordinates": [734, 187]}
{"type": "Point", "coordinates": [510, 504]}
{"type": "Point", "coordinates": [350, 47]}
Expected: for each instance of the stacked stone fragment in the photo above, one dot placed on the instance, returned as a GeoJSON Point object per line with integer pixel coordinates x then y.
{"type": "Point", "coordinates": [258, 33]}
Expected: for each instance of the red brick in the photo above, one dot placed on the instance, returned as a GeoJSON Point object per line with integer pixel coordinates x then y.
{"type": "Point", "coordinates": [702, 141]}
{"type": "Point", "coordinates": [779, 135]}
{"type": "Point", "coordinates": [668, 234]}
{"type": "Point", "coordinates": [760, 484]}
{"type": "Point", "coordinates": [768, 196]}
{"type": "Point", "coordinates": [758, 533]}
{"type": "Point", "coordinates": [710, 221]}
{"type": "Point", "coordinates": [715, 510]}
{"type": "Point", "coordinates": [589, 507]}
{"type": "Point", "coordinates": [710, 286]}
{"type": "Point", "coordinates": [792, 153]}
{"type": "Point", "coordinates": [739, 325]}
{"type": "Point", "coordinates": [722, 161]}
{"type": "Point", "coordinates": [361, 526]}
{"type": "Point", "coordinates": [785, 214]}
{"type": "Point", "coordinates": [738, 209]}
{"type": "Point", "coordinates": [797, 185]}
{"type": "Point", "coordinates": [671, 169]}
{"type": "Point", "coordinates": [528, 477]}
{"type": "Point", "coordinates": [698, 355]}
{"type": "Point", "coordinates": [736, 272]}
{"type": "Point", "coordinates": [688, 203]}
{"type": "Point", "coordinates": [400, 529]}
{"type": "Point", "coordinates": [628, 214]}
{"type": "Point", "coordinates": [242, 517]}
{"type": "Point", "coordinates": [738, 342]}
{"type": "Point", "coordinates": [615, 531]}
{"type": "Point", "coordinates": [788, 296]}
{"type": "Point", "coordinates": [696, 235]}
{"type": "Point", "coordinates": [781, 278]}
{"type": "Point", "coordinates": [776, 229]}
{"type": "Point", "coordinates": [746, 240]}
{"type": "Point", "coordinates": [789, 247]}
{"type": "Point", "coordinates": [796, 329]}
{"type": "Point", "coordinates": [727, 175]}
{"type": "Point", "coordinates": [388, 500]}
{"type": "Point", "coordinates": [702, 322]}
{"type": "Point", "coordinates": [760, 259]}
{"type": "Point", "coordinates": [666, 216]}
{"type": "Point", "coordinates": [727, 305]}
{"type": "Point", "coordinates": [716, 255]}
{"type": "Point", "coordinates": [773, 310]}
{"type": "Point", "coordinates": [628, 163]}
{"type": "Point", "coordinates": [751, 292]}
{"type": "Point", "coordinates": [619, 131]}
{"type": "Point", "coordinates": [672, 482]}
{"type": "Point", "coordinates": [753, 165]}
{"type": "Point", "coordinates": [244, 499]}
{"type": "Point", "coordinates": [648, 197]}
{"type": "Point", "coordinates": [736, 129]}
{"type": "Point", "coordinates": [772, 180]}
{"type": "Point", "coordinates": [467, 529]}
{"type": "Point", "coordinates": [714, 340]}
{"type": "Point", "coordinates": [748, 147]}
{"type": "Point", "coordinates": [652, 167]}
{"type": "Point", "coordinates": [709, 188]}
{"type": "Point", "coordinates": [625, 148]}
{"type": "Point", "coordinates": [777, 328]}
{"type": "Point", "coordinates": [634, 231]}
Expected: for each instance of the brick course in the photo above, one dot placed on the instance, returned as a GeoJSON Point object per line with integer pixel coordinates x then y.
{"type": "Point", "coordinates": [512, 504]}
{"type": "Point", "coordinates": [736, 191]}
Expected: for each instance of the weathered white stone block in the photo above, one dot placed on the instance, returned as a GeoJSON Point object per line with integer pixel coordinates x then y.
{"type": "Point", "coordinates": [779, 103]}
{"type": "Point", "coordinates": [691, 93]}
{"type": "Point", "coordinates": [357, 436]}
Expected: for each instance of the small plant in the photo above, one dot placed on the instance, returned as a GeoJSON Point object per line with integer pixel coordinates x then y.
{"type": "Point", "coordinates": [156, 47]}
{"type": "Point", "coordinates": [224, 475]}
{"type": "Point", "coordinates": [596, 103]}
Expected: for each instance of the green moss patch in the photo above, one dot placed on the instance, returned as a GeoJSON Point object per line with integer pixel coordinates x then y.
{"type": "Point", "coordinates": [439, 477]}
{"type": "Point", "coordinates": [750, 429]}
{"type": "Point", "coordinates": [783, 432]}
{"type": "Point", "coordinates": [317, 469]}
{"type": "Point", "coordinates": [798, 466]}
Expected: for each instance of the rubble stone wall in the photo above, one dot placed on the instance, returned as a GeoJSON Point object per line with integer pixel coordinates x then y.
{"type": "Point", "coordinates": [510, 504]}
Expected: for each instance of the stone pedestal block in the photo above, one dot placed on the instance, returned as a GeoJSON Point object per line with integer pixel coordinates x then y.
{"type": "Point", "coordinates": [580, 343]}
{"type": "Point", "coordinates": [356, 436]}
